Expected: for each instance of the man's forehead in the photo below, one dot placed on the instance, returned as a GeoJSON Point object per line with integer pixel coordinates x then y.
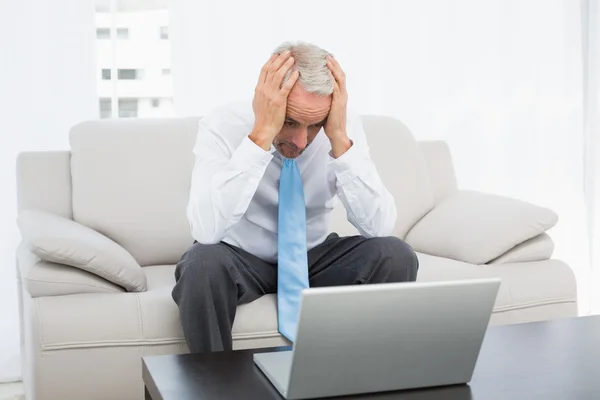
{"type": "Point", "coordinates": [307, 108]}
{"type": "Point", "coordinates": [317, 119]}
{"type": "Point", "coordinates": [308, 113]}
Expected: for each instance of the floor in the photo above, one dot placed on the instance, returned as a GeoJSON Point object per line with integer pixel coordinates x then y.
{"type": "Point", "coordinates": [11, 391]}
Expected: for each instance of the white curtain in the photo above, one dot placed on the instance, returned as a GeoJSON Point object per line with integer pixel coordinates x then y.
{"type": "Point", "coordinates": [47, 84]}
{"type": "Point", "coordinates": [591, 83]}
{"type": "Point", "coordinates": [501, 81]}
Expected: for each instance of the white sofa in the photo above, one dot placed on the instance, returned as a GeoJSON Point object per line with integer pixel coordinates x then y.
{"type": "Point", "coordinates": [83, 336]}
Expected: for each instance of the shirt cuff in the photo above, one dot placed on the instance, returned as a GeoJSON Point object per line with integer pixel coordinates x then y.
{"type": "Point", "coordinates": [347, 166]}
{"type": "Point", "coordinates": [249, 155]}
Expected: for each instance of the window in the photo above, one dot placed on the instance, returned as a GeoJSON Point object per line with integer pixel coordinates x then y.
{"type": "Point", "coordinates": [123, 33]}
{"type": "Point", "coordinates": [134, 78]}
{"type": "Point", "coordinates": [164, 33]}
{"type": "Point", "coordinates": [102, 33]}
{"type": "Point", "coordinates": [123, 74]}
{"type": "Point", "coordinates": [130, 74]}
{"type": "Point", "coordinates": [128, 108]}
{"type": "Point", "coordinates": [105, 108]}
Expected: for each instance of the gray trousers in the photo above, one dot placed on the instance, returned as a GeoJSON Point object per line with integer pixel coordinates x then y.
{"type": "Point", "coordinates": [211, 280]}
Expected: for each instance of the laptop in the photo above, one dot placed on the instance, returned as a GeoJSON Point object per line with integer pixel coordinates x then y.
{"type": "Point", "coordinates": [383, 337]}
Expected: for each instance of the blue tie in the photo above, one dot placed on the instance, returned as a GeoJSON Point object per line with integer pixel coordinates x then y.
{"type": "Point", "coordinates": [292, 263]}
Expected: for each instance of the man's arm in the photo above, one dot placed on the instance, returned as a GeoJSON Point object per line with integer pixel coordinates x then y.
{"type": "Point", "coordinates": [370, 206]}
{"type": "Point", "coordinates": [224, 182]}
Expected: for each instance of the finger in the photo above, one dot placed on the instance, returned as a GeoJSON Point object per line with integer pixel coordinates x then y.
{"type": "Point", "coordinates": [336, 86]}
{"type": "Point", "coordinates": [335, 63]}
{"type": "Point", "coordinates": [287, 86]}
{"type": "Point", "coordinates": [263, 72]}
{"type": "Point", "coordinates": [334, 67]}
{"type": "Point", "coordinates": [336, 72]}
{"type": "Point", "coordinates": [277, 63]}
{"type": "Point", "coordinates": [277, 78]}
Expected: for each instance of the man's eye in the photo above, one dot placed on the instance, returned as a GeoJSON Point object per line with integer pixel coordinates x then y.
{"type": "Point", "coordinates": [290, 123]}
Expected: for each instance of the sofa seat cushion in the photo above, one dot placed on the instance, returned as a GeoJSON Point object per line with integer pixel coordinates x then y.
{"type": "Point", "coordinates": [152, 317]}
{"type": "Point", "coordinates": [147, 318]}
{"type": "Point", "coordinates": [524, 285]}
{"type": "Point", "coordinates": [253, 320]}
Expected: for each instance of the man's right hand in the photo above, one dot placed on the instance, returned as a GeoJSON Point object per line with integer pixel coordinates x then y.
{"type": "Point", "coordinates": [270, 99]}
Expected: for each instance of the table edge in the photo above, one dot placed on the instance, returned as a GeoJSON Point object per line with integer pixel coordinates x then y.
{"type": "Point", "coordinates": [149, 383]}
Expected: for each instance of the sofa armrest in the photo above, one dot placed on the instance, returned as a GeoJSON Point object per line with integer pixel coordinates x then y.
{"type": "Point", "coordinates": [477, 227]}
{"type": "Point", "coordinates": [43, 278]}
{"type": "Point", "coordinates": [59, 240]}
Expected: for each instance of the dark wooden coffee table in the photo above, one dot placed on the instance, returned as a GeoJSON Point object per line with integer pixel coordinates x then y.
{"type": "Point", "coordinates": [546, 360]}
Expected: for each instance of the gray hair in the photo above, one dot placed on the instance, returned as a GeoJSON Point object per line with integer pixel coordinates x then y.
{"type": "Point", "coordinates": [311, 63]}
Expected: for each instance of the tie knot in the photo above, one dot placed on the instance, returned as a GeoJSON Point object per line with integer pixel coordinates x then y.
{"type": "Point", "coordinates": [288, 162]}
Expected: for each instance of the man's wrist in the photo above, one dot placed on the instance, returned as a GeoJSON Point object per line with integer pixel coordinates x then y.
{"type": "Point", "coordinates": [261, 140]}
{"type": "Point", "coordinates": [339, 145]}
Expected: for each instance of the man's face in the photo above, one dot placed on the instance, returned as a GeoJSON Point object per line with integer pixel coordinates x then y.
{"type": "Point", "coordinates": [306, 115]}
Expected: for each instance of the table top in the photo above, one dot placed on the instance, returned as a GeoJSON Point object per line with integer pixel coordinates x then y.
{"type": "Point", "coordinates": [544, 360]}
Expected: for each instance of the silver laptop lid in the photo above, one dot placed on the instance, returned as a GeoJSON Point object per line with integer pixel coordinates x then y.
{"type": "Point", "coordinates": [379, 337]}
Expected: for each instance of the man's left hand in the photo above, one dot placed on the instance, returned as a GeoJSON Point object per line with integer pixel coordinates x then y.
{"type": "Point", "coordinates": [335, 127]}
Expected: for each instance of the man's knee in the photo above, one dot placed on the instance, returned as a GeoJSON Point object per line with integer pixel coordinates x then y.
{"type": "Point", "coordinates": [202, 259]}
{"type": "Point", "coordinates": [200, 265]}
{"type": "Point", "coordinates": [398, 258]}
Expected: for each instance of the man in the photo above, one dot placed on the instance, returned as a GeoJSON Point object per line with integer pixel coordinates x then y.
{"type": "Point", "coordinates": [294, 146]}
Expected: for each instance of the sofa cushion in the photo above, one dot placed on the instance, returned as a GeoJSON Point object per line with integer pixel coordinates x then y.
{"type": "Point", "coordinates": [524, 285]}
{"type": "Point", "coordinates": [63, 241]}
{"type": "Point", "coordinates": [131, 182]}
{"type": "Point", "coordinates": [254, 320]}
{"type": "Point", "coordinates": [44, 278]}
{"type": "Point", "coordinates": [147, 318]}
{"type": "Point", "coordinates": [152, 317]}
{"type": "Point", "coordinates": [478, 227]}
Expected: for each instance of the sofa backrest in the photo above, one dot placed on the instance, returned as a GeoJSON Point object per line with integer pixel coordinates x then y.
{"type": "Point", "coordinates": [130, 180]}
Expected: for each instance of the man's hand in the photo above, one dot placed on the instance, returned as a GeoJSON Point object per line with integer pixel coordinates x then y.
{"type": "Point", "coordinates": [335, 128]}
{"type": "Point", "coordinates": [270, 99]}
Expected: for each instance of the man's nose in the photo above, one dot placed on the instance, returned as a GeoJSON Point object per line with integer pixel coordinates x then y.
{"type": "Point", "coordinates": [300, 139]}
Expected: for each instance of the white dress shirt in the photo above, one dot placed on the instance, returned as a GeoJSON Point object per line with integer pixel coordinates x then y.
{"type": "Point", "coordinates": [234, 190]}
